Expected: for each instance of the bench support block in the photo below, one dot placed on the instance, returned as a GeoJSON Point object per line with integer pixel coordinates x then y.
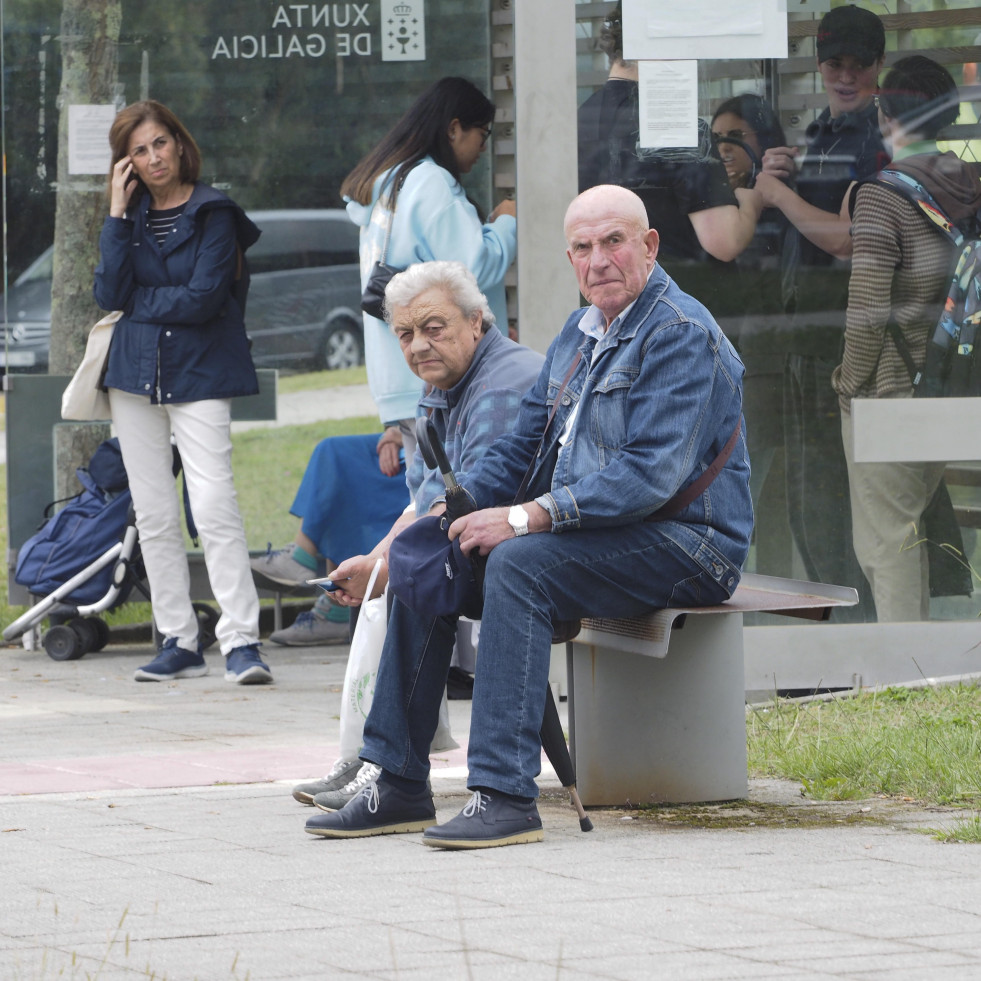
{"type": "Point", "coordinates": [655, 729]}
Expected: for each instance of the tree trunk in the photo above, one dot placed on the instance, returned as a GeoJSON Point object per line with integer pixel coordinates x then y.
{"type": "Point", "coordinates": [89, 42]}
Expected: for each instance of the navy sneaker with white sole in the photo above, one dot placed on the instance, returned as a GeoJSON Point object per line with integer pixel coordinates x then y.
{"type": "Point", "coordinates": [379, 809]}
{"type": "Point", "coordinates": [172, 662]}
{"type": "Point", "coordinates": [488, 820]}
{"type": "Point", "coordinates": [244, 666]}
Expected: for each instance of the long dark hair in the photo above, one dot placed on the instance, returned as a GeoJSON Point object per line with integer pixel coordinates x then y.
{"type": "Point", "coordinates": [137, 114]}
{"type": "Point", "coordinates": [422, 132]}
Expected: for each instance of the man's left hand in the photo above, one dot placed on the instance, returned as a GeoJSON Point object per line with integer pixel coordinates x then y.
{"type": "Point", "coordinates": [483, 530]}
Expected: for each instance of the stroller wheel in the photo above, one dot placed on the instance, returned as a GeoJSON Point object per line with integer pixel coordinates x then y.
{"type": "Point", "coordinates": [88, 633]}
{"type": "Point", "coordinates": [63, 644]}
{"type": "Point", "coordinates": [101, 633]}
{"type": "Point", "coordinates": [207, 621]}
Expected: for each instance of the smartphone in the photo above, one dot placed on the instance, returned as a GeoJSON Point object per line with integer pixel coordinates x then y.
{"type": "Point", "coordinates": [325, 584]}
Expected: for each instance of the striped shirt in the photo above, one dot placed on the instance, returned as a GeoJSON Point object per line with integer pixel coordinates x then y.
{"type": "Point", "coordinates": [901, 268]}
{"type": "Point", "coordinates": [161, 223]}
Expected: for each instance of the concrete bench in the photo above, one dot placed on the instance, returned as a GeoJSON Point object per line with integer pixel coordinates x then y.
{"type": "Point", "coordinates": [657, 705]}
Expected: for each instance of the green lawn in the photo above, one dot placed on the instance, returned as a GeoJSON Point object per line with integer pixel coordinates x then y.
{"type": "Point", "coordinates": [268, 466]}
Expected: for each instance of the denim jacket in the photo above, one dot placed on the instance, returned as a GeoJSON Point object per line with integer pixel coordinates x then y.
{"type": "Point", "coordinates": [658, 397]}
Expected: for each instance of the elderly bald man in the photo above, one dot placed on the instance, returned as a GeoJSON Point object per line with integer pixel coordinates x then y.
{"type": "Point", "coordinates": [639, 499]}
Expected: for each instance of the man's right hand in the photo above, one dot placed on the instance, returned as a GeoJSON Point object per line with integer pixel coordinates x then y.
{"type": "Point", "coordinates": [781, 161]}
{"type": "Point", "coordinates": [352, 577]}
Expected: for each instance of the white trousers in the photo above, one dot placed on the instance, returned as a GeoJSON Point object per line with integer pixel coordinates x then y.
{"type": "Point", "coordinates": [202, 431]}
{"type": "Point", "coordinates": [887, 505]}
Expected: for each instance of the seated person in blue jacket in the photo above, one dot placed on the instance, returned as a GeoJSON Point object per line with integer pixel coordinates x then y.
{"type": "Point", "coordinates": [653, 401]}
{"type": "Point", "coordinates": [353, 488]}
{"type": "Point", "coordinates": [475, 379]}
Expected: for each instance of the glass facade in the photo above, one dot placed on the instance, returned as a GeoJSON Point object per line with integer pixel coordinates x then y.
{"type": "Point", "coordinates": [783, 300]}
{"type": "Point", "coordinates": [285, 98]}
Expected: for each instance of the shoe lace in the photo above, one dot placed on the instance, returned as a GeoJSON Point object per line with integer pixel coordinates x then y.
{"type": "Point", "coordinates": [368, 774]}
{"type": "Point", "coordinates": [370, 794]}
{"type": "Point", "coordinates": [476, 804]}
{"type": "Point", "coordinates": [304, 620]}
{"type": "Point", "coordinates": [340, 765]}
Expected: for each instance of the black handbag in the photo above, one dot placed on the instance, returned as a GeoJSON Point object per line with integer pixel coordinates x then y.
{"type": "Point", "coordinates": [373, 294]}
{"type": "Point", "coordinates": [373, 297]}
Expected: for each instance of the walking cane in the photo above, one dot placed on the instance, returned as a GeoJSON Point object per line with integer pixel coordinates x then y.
{"type": "Point", "coordinates": [457, 503]}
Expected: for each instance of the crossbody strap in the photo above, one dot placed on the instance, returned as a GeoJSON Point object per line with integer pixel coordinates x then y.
{"type": "Point", "coordinates": [683, 498]}
{"type": "Point", "coordinates": [914, 191]}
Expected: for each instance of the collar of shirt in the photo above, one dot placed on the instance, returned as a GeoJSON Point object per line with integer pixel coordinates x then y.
{"type": "Point", "coordinates": [593, 323]}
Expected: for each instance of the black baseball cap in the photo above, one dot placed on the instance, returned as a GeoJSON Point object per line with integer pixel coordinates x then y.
{"type": "Point", "coordinates": [851, 30]}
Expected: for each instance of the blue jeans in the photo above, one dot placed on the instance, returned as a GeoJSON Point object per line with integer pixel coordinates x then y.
{"type": "Point", "coordinates": [529, 582]}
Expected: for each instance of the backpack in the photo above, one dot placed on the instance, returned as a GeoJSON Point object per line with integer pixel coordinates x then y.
{"type": "Point", "coordinates": [951, 367]}
{"type": "Point", "coordinates": [83, 530]}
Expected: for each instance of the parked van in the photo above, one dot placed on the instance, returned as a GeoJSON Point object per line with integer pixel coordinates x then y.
{"type": "Point", "coordinates": [304, 308]}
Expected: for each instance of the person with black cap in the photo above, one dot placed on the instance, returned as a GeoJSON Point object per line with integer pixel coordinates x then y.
{"type": "Point", "coordinates": [842, 145]}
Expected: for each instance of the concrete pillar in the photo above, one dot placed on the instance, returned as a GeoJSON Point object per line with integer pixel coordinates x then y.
{"type": "Point", "coordinates": [547, 173]}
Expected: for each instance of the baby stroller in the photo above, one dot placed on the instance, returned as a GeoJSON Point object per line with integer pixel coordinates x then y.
{"type": "Point", "coordinates": [85, 560]}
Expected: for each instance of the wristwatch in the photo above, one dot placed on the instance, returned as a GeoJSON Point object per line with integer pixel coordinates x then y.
{"type": "Point", "coordinates": [518, 520]}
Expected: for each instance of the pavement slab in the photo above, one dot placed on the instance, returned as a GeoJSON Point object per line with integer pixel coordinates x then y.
{"type": "Point", "coordinates": [148, 831]}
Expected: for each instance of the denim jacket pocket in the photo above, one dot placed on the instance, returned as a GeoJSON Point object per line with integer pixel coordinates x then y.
{"type": "Point", "coordinates": [608, 417]}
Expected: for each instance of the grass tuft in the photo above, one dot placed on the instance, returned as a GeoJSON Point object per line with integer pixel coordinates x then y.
{"type": "Point", "coordinates": [960, 832]}
{"type": "Point", "coordinates": [920, 744]}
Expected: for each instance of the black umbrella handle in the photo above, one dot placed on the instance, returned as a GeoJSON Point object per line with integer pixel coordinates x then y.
{"type": "Point", "coordinates": [433, 452]}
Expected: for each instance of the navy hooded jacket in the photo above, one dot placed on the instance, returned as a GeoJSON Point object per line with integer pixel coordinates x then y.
{"type": "Point", "coordinates": [182, 336]}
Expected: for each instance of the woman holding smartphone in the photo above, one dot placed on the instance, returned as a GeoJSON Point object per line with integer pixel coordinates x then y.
{"type": "Point", "coordinates": [171, 251]}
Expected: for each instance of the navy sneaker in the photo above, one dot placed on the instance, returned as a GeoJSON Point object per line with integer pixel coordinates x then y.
{"type": "Point", "coordinates": [172, 662]}
{"type": "Point", "coordinates": [488, 820]}
{"type": "Point", "coordinates": [244, 666]}
{"type": "Point", "coordinates": [379, 809]}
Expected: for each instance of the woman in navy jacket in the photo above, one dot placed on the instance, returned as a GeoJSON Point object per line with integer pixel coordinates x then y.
{"type": "Point", "coordinates": [171, 261]}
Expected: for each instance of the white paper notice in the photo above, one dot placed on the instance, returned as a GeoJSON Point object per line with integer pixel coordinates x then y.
{"type": "Point", "coordinates": [88, 139]}
{"type": "Point", "coordinates": [661, 29]}
{"type": "Point", "coordinates": [668, 103]}
{"type": "Point", "coordinates": [700, 18]}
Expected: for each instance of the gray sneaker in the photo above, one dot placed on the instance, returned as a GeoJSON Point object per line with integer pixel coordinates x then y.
{"type": "Point", "coordinates": [341, 773]}
{"type": "Point", "coordinates": [334, 800]}
{"type": "Point", "coordinates": [278, 571]}
{"type": "Point", "coordinates": [310, 630]}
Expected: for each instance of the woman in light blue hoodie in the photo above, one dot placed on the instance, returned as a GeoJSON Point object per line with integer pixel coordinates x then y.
{"type": "Point", "coordinates": [407, 190]}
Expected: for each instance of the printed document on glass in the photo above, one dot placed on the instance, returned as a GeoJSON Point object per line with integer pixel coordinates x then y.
{"type": "Point", "coordinates": [668, 103]}
{"type": "Point", "coordinates": [662, 29]}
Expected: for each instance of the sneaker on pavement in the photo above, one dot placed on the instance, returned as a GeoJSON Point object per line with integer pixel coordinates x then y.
{"type": "Point", "coordinates": [488, 820]}
{"type": "Point", "coordinates": [310, 630]}
{"type": "Point", "coordinates": [244, 666]}
{"type": "Point", "coordinates": [377, 809]}
{"type": "Point", "coordinates": [172, 662]}
{"type": "Point", "coordinates": [334, 800]}
{"type": "Point", "coordinates": [342, 772]}
{"type": "Point", "coordinates": [278, 571]}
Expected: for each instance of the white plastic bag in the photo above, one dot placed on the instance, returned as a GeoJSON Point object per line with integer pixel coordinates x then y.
{"type": "Point", "coordinates": [362, 669]}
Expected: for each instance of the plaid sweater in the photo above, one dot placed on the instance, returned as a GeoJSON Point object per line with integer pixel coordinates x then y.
{"type": "Point", "coordinates": [901, 268]}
